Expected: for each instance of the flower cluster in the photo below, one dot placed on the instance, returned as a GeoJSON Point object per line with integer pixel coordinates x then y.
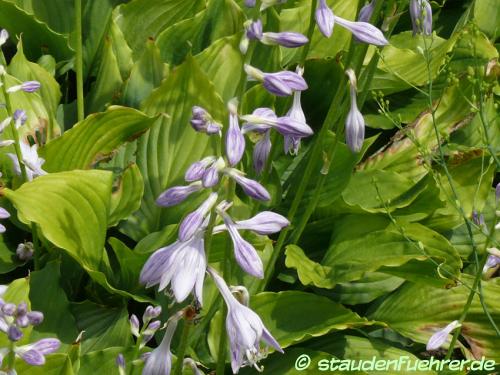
{"type": "Point", "coordinates": [15, 318]}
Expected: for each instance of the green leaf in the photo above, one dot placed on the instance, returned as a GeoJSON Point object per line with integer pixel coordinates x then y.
{"type": "Point", "coordinates": [38, 38]}
{"type": "Point", "coordinates": [94, 138]}
{"type": "Point", "coordinates": [46, 295]}
{"type": "Point", "coordinates": [171, 145]}
{"type": "Point", "coordinates": [106, 88]}
{"type": "Point", "coordinates": [126, 197]}
{"type": "Point", "coordinates": [104, 361]}
{"type": "Point", "coordinates": [418, 311]}
{"type": "Point", "coordinates": [486, 16]}
{"type": "Point", "coordinates": [146, 75]}
{"type": "Point", "coordinates": [193, 35]}
{"type": "Point", "coordinates": [50, 92]}
{"type": "Point", "coordinates": [75, 202]}
{"type": "Point", "coordinates": [142, 19]}
{"type": "Point", "coordinates": [56, 364]}
{"type": "Point", "coordinates": [129, 266]}
{"type": "Point", "coordinates": [104, 326]}
{"type": "Point", "coordinates": [289, 326]}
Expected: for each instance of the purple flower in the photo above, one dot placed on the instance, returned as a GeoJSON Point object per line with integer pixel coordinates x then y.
{"type": "Point", "coordinates": [32, 162]}
{"type": "Point", "coordinates": [266, 115]}
{"type": "Point", "coordinates": [194, 220]}
{"type": "Point", "coordinates": [159, 361]}
{"type": "Point", "coordinates": [35, 317]}
{"type": "Point", "coordinates": [264, 223]}
{"type": "Point", "coordinates": [363, 31]}
{"type": "Point", "coordinates": [292, 143]}
{"type": "Point", "coordinates": [235, 141]}
{"type": "Point", "coordinates": [28, 86]}
{"type": "Point", "coordinates": [284, 39]}
{"type": "Point", "coordinates": [197, 169]}
{"type": "Point", "coordinates": [279, 83]}
{"type": "Point", "coordinates": [244, 328]}
{"type": "Point", "coordinates": [251, 188]}
{"type": "Point", "coordinates": [14, 333]}
{"type": "Point", "coordinates": [20, 117]}
{"type": "Point", "coordinates": [134, 325]}
{"type": "Point", "coordinates": [493, 259]}
{"type": "Point", "coordinates": [202, 122]}
{"type": "Point", "coordinates": [355, 123]}
{"type": "Point", "coordinates": [421, 17]}
{"type": "Point", "coordinates": [254, 30]}
{"type": "Point", "coordinates": [181, 264]}
{"type": "Point", "coordinates": [249, 3]}
{"type": "Point", "coordinates": [210, 177]}
{"type": "Point", "coordinates": [441, 336]}
{"type": "Point", "coordinates": [34, 354]}
{"type": "Point", "coordinates": [244, 253]}
{"type": "Point", "coordinates": [4, 214]}
{"type": "Point", "coordinates": [365, 14]}
{"type": "Point", "coordinates": [151, 312]}
{"type": "Point", "coordinates": [285, 125]}
{"type": "Point", "coordinates": [120, 363]}
{"type": "Point", "coordinates": [177, 194]}
{"type": "Point", "coordinates": [261, 152]}
{"type": "Point", "coordinates": [324, 18]}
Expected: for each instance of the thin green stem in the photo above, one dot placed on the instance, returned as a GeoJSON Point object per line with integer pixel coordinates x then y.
{"type": "Point", "coordinates": [79, 60]}
{"type": "Point", "coordinates": [181, 351]}
{"type": "Point", "coordinates": [11, 358]}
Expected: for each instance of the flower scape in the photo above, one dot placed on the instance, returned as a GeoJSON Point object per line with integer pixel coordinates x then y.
{"type": "Point", "coordinates": [241, 187]}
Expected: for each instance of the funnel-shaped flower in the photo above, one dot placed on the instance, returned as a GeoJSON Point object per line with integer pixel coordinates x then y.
{"type": "Point", "coordinates": [292, 143]}
{"type": "Point", "coordinates": [194, 220]}
{"type": "Point", "coordinates": [31, 161]}
{"type": "Point", "coordinates": [197, 169]}
{"type": "Point", "coordinates": [244, 328]}
{"type": "Point", "coordinates": [287, 126]}
{"type": "Point", "coordinates": [261, 152]}
{"type": "Point", "coordinates": [421, 17]}
{"type": "Point", "coordinates": [28, 86]}
{"type": "Point", "coordinates": [441, 336]}
{"type": "Point", "coordinates": [285, 39]}
{"type": "Point", "coordinates": [181, 264]}
{"type": "Point", "coordinates": [159, 362]}
{"type": "Point", "coordinates": [34, 354]}
{"type": "Point", "coordinates": [355, 123]}
{"type": "Point", "coordinates": [244, 253]}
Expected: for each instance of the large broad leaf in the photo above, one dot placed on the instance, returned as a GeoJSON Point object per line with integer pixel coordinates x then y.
{"type": "Point", "coordinates": [94, 139]}
{"type": "Point", "coordinates": [71, 209]}
{"type": "Point", "coordinates": [283, 314]}
{"type": "Point", "coordinates": [38, 37]}
{"type": "Point", "coordinates": [167, 150]}
{"type": "Point", "coordinates": [143, 19]}
{"type": "Point", "coordinates": [56, 364]}
{"type": "Point", "coordinates": [104, 361]}
{"type": "Point", "coordinates": [46, 295]}
{"type": "Point", "coordinates": [418, 311]}
{"type": "Point", "coordinates": [104, 326]}
{"type": "Point", "coordinates": [193, 35]}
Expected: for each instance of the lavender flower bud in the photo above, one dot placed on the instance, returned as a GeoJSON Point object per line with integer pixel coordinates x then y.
{"type": "Point", "coordinates": [4, 35]}
{"type": "Point", "coordinates": [28, 86]}
{"type": "Point", "coordinates": [325, 18]}
{"type": "Point", "coordinates": [285, 125]}
{"type": "Point", "coordinates": [363, 31]}
{"type": "Point", "coordinates": [264, 223]}
{"type": "Point", "coordinates": [20, 117]}
{"type": "Point", "coordinates": [197, 169]}
{"type": "Point", "coordinates": [493, 259]}
{"type": "Point", "coordinates": [440, 337]}
{"type": "Point", "coordinates": [177, 194]}
{"type": "Point", "coordinates": [35, 317]}
{"type": "Point", "coordinates": [211, 175]}
{"type": "Point", "coordinates": [4, 214]}
{"type": "Point", "coordinates": [22, 309]}
{"type": "Point", "coordinates": [235, 141]}
{"type": "Point", "coordinates": [134, 325]}
{"type": "Point", "coordinates": [14, 333]}
{"type": "Point", "coordinates": [478, 218]}
{"type": "Point", "coordinates": [355, 123]}
{"type": "Point", "coordinates": [251, 188]}
{"type": "Point", "coordinates": [249, 3]}
{"type": "Point", "coordinates": [9, 309]}
{"type": "Point", "coordinates": [279, 83]}
{"type": "Point", "coordinates": [284, 39]}
{"type": "Point", "coordinates": [254, 30]}
{"type": "Point", "coordinates": [261, 152]}
{"type": "Point", "coordinates": [151, 312]}
{"type": "Point", "coordinates": [25, 251]}
{"type": "Point", "coordinates": [193, 221]}
{"type": "Point", "coordinates": [120, 363]}
{"type": "Point", "coordinates": [201, 121]}
{"type": "Point", "coordinates": [22, 321]}
{"type": "Point", "coordinates": [365, 14]}
{"type": "Point", "coordinates": [421, 17]}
